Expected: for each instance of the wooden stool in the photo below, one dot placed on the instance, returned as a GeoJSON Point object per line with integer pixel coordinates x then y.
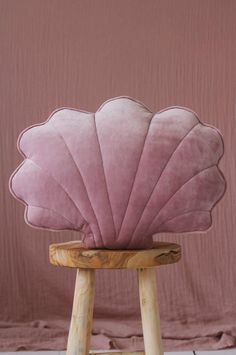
{"type": "Point", "coordinates": [76, 255]}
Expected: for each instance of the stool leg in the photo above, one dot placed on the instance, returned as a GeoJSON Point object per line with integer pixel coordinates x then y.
{"type": "Point", "coordinates": [150, 312]}
{"type": "Point", "coordinates": [82, 313]}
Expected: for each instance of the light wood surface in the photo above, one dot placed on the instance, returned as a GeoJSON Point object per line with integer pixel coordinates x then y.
{"type": "Point", "coordinates": [75, 254]}
{"type": "Point", "coordinates": [82, 313]}
{"type": "Point", "coordinates": [150, 312]}
{"type": "Point", "coordinates": [68, 53]}
{"type": "Point", "coordinates": [115, 352]}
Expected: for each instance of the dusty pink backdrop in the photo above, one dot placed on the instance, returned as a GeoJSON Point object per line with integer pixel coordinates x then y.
{"type": "Point", "coordinates": [77, 54]}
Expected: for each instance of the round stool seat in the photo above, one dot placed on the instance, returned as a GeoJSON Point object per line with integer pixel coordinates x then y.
{"type": "Point", "coordinates": [75, 254]}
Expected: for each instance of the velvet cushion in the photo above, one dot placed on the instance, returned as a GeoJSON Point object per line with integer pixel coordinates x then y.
{"type": "Point", "coordinates": [120, 175]}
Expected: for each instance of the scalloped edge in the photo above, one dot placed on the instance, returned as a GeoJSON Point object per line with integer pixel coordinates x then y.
{"type": "Point", "coordinates": [99, 109]}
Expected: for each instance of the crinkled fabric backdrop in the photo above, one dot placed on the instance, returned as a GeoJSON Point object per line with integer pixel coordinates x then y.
{"type": "Point", "coordinates": [78, 53]}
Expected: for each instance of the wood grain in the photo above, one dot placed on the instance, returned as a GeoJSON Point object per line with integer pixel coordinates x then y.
{"type": "Point", "coordinates": [82, 313]}
{"type": "Point", "coordinates": [75, 254]}
{"type": "Point", "coordinates": [61, 53]}
{"type": "Point", "coordinates": [115, 352]}
{"type": "Point", "coordinates": [150, 312]}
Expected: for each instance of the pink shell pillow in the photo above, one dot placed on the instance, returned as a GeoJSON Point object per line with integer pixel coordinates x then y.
{"type": "Point", "coordinates": [120, 175]}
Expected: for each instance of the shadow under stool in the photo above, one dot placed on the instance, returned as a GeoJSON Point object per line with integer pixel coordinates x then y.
{"type": "Point", "coordinates": [74, 254]}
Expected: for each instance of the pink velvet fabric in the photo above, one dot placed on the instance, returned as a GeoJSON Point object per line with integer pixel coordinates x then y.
{"type": "Point", "coordinates": [120, 175]}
